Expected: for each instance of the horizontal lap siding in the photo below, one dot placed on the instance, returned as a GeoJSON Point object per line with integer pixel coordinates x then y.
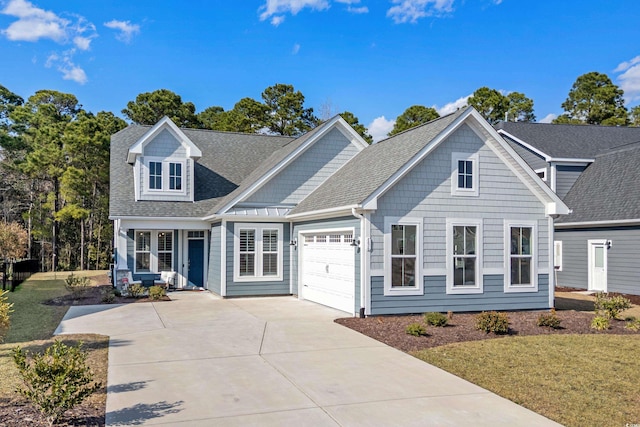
{"type": "Point", "coordinates": [214, 274]}
{"type": "Point", "coordinates": [566, 176]}
{"type": "Point", "coordinates": [308, 171]}
{"type": "Point", "coordinates": [535, 161]}
{"type": "Point", "coordinates": [435, 297]}
{"type": "Point", "coordinates": [328, 224]}
{"type": "Point", "coordinates": [131, 254]}
{"type": "Point", "coordinates": [623, 259]}
{"type": "Point", "coordinates": [257, 288]}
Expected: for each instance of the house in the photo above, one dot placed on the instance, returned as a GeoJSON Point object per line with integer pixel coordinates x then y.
{"type": "Point", "coordinates": [445, 216]}
{"type": "Point", "coordinates": [594, 169]}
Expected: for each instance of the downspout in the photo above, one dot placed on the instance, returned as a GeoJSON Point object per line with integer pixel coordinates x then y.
{"type": "Point", "coordinates": [291, 249]}
{"type": "Point", "coordinates": [552, 268]}
{"type": "Point", "coordinates": [364, 267]}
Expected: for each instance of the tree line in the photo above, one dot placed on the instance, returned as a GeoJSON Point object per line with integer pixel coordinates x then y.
{"type": "Point", "coordinates": [54, 155]}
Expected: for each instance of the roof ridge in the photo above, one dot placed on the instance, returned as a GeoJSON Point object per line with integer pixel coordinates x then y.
{"type": "Point", "coordinates": [621, 148]}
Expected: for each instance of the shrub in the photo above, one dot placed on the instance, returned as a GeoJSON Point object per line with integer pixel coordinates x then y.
{"type": "Point", "coordinates": [550, 320]}
{"type": "Point", "coordinates": [156, 292]}
{"type": "Point", "coordinates": [632, 323]}
{"type": "Point", "coordinates": [108, 295]}
{"type": "Point", "coordinates": [136, 290]}
{"type": "Point", "coordinates": [76, 285]}
{"type": "Point", "coordinates": [436, 319]}
{"type": "Point", "coordinates": [5, 314]}
{"type": "Point", "coordinates": [493, 321]}
{"type": "Point", "coordinates": [56, 380]}
{"type": "Point", "coordinates": [416, 329]}
{"type": "Point", "coordinates": [611, 306]}
{"type": "Point", "coordinates": [600, 323]}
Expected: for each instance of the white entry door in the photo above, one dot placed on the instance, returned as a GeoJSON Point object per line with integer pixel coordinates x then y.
{"type": "Point", "coordinates": [597, 260]}
{"type": "Point", "coordinates": [328, 269]}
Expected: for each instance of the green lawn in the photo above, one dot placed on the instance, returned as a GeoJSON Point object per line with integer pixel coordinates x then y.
{"type": "Point", "coordinates": [576, 380]}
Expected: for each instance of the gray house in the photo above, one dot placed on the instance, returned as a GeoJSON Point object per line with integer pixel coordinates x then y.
{"type": "Point", "coordinates": [594, 169]}
{"type": "Point", "coordinates": [445, 216]}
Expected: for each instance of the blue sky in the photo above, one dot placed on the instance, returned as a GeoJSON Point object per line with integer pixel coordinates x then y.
{"type": "Point", "coordinates": [373, 58]}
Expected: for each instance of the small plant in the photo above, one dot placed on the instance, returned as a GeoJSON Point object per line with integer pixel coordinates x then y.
{"type": "Point", "coordinates": [416, 329]}
{"type": "Point", "coordinates": [117, 292]}
{"type": "Point", "coordinates": [493, 321]}
{"type": "Point", "coordinates": [135, 290]}
{"type": "Point", "coordinates": [632, 323]}
{"type": "Point", "coordinates": [76, 285]}
{"type": "Point", "coordinates": [56, 380]}
{"type": "Point", "coordinates": [108, 296]}
{"type": "Point", "coordinates": [156, 292]}
{"type": "Point", "coordinates": [436, 319]}
{"type": "Point", "coordinates": [550, 320]}
{"type": "Point", "coordinates": [6, 308]}
{"type": "Point", "coordinates": [611, 306]}
{"type": "Point", "coordinates": [450, 315]}
{"type": "Point", "coordinates": [600, 323]}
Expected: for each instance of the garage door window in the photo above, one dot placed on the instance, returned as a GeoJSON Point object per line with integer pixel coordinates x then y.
{"type": "Point", "coordinates": [403, 256]}
{"type": "Point", "coordinates": [258, 252]}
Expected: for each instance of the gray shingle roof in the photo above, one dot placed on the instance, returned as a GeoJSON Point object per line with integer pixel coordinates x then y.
{"type": "Point", "coordinates": [227, 159]}
{"type": "Point", "coordinates": [608, 189]}
{"type": "Point", "coordinates": [571, 141]}
{"type": "Point", "coordinates": [372, 167]}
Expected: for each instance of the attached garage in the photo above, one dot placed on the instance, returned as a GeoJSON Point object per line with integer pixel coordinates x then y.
{"type": "Point", "coordinates": [327, 272]}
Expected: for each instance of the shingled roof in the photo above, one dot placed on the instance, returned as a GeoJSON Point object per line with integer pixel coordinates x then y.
{"type": "Point", "coordinates": [227, 160]}
{"type": "Point", "coordinates": [608, 189]}
{"type": "Point", "coordinates": [371, 168]}
{"type": "Point", "coordinates": [570, 141]}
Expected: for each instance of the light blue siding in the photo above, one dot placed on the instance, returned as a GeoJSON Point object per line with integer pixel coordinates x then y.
{"type": "Point", "coordinates": [165, 145]}
{"type": "Point", "coordinates": [131, 256]}
{"type": "Point", "coordinates": [566, 176]}
{"type": "Point", "coordinates": [534, 160]}
{"type": "Point", "coordinates": [257, 288]}
{"type": "Point", "coordinates": [214, 276]}
{"type": "Point", "coordinates": [308, 171]}
{"type": "Point", "coordinates": [329, 224]}
{"type": "Point", "coordinates": [623, 267]}
{"type": "Point", "coordinates": [436, 299]}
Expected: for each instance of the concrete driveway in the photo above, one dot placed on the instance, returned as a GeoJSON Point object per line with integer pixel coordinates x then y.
{"type": "Point", "coordinates": [203, 361]}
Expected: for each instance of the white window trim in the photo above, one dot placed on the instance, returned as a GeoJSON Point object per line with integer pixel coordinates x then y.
{"type": "Point", "coordinates": [165, 176]}
{"type": "Point", "coordinates": [543, 171]}
{"type": "Point", "coordinates": [414, 290]}
{"type": "Point", "coordinates": [478, 288]}
{"type": "Point", "coordinates": [258, 258]}
{"type": "Point", "coordinates": [557, 255]}
{"type": "Point", "coordinates": [466, 192]}
{"type": "Point", "coordinates": [508, 287]}
{"type": "Point", "coordinates": [153, 257]}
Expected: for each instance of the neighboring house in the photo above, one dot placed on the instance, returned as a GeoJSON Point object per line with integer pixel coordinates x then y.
{"type": "Point", "coordinates": [445, 216]}
{"type": "Point", "coordinates": [594, 169]}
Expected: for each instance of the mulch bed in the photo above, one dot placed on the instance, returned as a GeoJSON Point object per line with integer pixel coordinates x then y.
{"type": "Point", "coordinates": [462, 327]}
{"type": "Point", "coordinates": [18, 413]}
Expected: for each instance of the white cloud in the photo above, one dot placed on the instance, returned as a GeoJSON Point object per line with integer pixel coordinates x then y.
{"type": "Point", "coordinates": [278, 7]}
{"type": "Point", "coordinates": [64, 64]}
{"type": "Point", "coordinates": [380, 127]}
{"type": "Point", "coordinates": [34, 23]}
{"type": "Point", "coordinates": [452, 106]}
{"type": "Point", "coordinates": [412, 10]}
{"type": "Point", "coordinates": [296, 49]}
{"type": "Point", "coordinates": [548, 118]}
{"type": "Point", "coordinates": [630, 78]}
{"type": "Point", "coordinates": [82, 42]}
{"type": "Point", "coordinates": [126, 29]}
{"type": "Point", "coordinates": [352, 9]}
{"type": "Point", "coordinates": [277, 20]}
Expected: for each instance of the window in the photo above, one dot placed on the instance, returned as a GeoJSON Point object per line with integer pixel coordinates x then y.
{"type": "Point", "coordinates": [258, 252]}
{"type": "Point", "coordinates": [465, 176]}
{"type": "Point", "coordinates": [464, 256]}
{"type": "Point", "coordinates": [155, 175]}
{"type": "Point", "coordinates": [175, 176]}
{"type": "Point", "coordinates": [143, 251]}
{"type": "Point", "coordinates": [557, 255]}
{"type": "Point", "coordinates": [542, 173]}
{"type": "Point", "coordinates": [403, 256]}
{"type": "Point", "coordinates": [520, 257]}
{"type": "Point", "coordinates": [165, 251]}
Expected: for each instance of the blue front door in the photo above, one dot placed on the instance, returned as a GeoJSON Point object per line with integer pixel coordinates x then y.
{"type": "Point", "coordinates": [196, 262]}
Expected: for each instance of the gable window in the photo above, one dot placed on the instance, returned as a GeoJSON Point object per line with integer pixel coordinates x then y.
{"type": "Point", "coordinates": [143, 251]}
{"type": "Point", "coordinates": [258, 253]}
{"type": "Point", "coordinates": [465, 175]}
{"type": "Point", "coordinates": [520, 257]}
{"type": "Point", "coordinates": [175, 176]}
{"type": "Point", "coordinates": [403, 261]}
{"type": "Point", "coordinates": [155, 175]}
{"type": "Point", "coordinates": [464, 256]}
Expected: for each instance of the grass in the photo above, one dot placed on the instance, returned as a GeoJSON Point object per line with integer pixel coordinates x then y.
{"type": "Point", "coordinates": [32, 327]}
{"type": "Point", "coordinates": [576, 380]}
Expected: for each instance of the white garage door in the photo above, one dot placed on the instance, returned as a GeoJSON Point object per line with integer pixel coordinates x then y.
{"type": "Point", "coordinates": [328, 269]}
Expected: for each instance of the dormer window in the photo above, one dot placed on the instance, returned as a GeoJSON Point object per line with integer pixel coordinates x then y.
{"type": "Point", "coordinates": [175, 176]}
{"type": "Point", "coordinates": [155, 175]}
{"type": "Point", "coordinates": [166, 175]}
